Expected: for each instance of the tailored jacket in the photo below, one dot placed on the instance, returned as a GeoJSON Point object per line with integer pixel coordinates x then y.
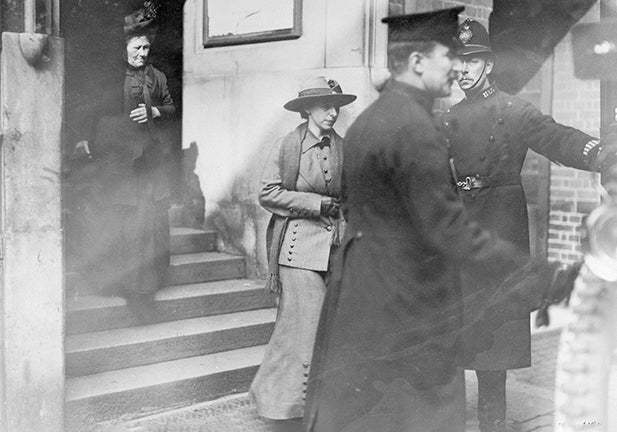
{"type": "Point", "coordinates": [489, 137]}
{"type": "Point", "coordinates": [308, 237]}
{"type": "Point", "coordinates": [386, 348]}
{"type": "Point", "coordinates": [126, 152]}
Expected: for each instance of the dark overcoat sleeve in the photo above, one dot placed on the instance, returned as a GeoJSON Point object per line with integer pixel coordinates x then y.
{"type": "Point", "coordinates": [559, 143]}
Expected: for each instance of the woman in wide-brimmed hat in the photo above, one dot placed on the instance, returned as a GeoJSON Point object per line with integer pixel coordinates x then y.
{"type": "Point", "coordinates": [302, 190]}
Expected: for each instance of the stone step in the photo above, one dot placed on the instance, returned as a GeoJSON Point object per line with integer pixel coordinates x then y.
{"type": "Point", "coordinates": [142, 390]}
{"type": "Point", "coordinates": [86, 314]}
{"type": "Point", "coordinates": [204, 267]}
{"type": "Point", "coordinates": [108, 350]}
{"type": "Point", "coordinates": [189, 240]}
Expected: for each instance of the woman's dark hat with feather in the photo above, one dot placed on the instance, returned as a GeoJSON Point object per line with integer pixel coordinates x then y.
{"type": "Point", "coordinates": [142, 21]}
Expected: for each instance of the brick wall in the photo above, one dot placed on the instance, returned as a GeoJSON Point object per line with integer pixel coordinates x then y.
{"type": "Point", "coordinates": [577, 104]}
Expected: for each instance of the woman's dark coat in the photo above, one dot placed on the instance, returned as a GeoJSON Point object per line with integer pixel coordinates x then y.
{"type": "Point", "coordinates": [386, 346]}
{"type": "Point", "coordinates": [489, 137]}
{"type": "Point", "coordinates": [117, 142]}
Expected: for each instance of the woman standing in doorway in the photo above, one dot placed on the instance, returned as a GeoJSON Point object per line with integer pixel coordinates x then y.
{"type": "Point", "coordinates": [302, 189]}
{"type": "Point", "coordinates": [123, 132]}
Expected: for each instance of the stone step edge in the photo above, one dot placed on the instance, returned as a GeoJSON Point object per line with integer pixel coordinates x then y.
{"type": "Point", "coordinates": [215, 406]}
{"type": "Point", "coordinates": [160, 332]}
{"type": "Point", "coordinates": [157, 374]}
{"type": "Point", "coordinates": [170, 293]}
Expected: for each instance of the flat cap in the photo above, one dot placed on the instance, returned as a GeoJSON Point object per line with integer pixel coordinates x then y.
{"type": "Point", "coordinates": [439, 26]}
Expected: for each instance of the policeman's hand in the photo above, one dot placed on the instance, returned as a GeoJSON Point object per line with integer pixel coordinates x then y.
{"type": "Point", "coordinates": [606, 160]}
{"type": "Point", "coordinates": [560, 289]}
{"type": "Point", "coordinates": [82, 149]}
{"type": "Point", "coordinates": [330, 207]}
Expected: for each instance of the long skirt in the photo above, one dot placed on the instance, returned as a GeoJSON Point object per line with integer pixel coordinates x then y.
{"type": "Point", "coordinates": [131, 250]}
{"type": "Point", "coordinates": [279, 388]}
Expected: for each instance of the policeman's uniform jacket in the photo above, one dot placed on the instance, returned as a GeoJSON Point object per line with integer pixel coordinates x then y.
{"type": "Point", "coordinates": [488, 138]}
{"type": "Point", "coordinates": [385, 350]}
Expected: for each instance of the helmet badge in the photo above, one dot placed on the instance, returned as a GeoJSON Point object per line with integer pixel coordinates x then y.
{"type": "Point", "coordinates": [465, 34]}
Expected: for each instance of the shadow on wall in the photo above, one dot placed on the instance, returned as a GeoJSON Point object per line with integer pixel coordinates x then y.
{"type": "Point", "coordinates": [191, 200]}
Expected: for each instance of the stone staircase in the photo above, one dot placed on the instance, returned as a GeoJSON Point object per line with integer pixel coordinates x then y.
{"type": "Point", "coordinates": [212, 328]}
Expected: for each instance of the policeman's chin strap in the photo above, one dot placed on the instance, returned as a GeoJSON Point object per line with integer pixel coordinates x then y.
{"type": "Point", "coordinates": [471, 89]}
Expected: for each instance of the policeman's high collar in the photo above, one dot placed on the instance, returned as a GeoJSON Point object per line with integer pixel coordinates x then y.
{"type": "Point", "coordinates": [481, 95]}
{"type": "Point", "coordinates": [423, 97]}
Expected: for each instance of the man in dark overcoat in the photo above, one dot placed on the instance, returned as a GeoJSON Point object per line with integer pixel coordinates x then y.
{"type": "Point", "coordinates": [489, 133]}
{"type": "Point", "coordinates": [385, 356]}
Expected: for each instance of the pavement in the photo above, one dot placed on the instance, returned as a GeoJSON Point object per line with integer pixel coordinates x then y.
{"type": "Point", "coordinates": [529, 392]}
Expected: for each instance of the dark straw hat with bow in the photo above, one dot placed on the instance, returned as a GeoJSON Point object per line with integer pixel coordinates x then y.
{"type": "Point", "coordinates": [319, 90]}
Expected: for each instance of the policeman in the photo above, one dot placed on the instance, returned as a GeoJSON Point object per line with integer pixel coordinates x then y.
{"type": "Point", "coordinates": [489, 133]}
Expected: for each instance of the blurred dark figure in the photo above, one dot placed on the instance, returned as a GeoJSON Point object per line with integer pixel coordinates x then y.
{"type": "Point", "coordinates": [388, 341]}
{"type": "Point", "coordinates": [489, 133]}
{"type": "Point", "coordinates": [123, 132]}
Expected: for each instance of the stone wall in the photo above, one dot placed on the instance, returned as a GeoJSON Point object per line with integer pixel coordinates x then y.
{"type": "Point", "coordinates": [233, 105]}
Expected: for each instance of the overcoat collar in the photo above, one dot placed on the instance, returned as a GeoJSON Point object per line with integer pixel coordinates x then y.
{"type": "Point", "coordinates": [420, 96]}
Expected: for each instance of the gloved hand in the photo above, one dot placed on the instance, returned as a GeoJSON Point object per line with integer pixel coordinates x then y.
{"type": "Point", "coordinates": [330, 207]}
{"type": "Point", "coordinates": [559, 290]}
{"type": "Point", "coordinates": [535, 286]}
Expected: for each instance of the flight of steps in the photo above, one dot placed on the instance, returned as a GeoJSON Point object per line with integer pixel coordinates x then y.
{"type": "Point", "coordinates": [212, 328]}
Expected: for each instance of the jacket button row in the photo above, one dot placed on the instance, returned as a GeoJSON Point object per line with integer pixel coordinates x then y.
{"type": "Point", "coordinates": [305, 365]}
{"type": "Point", "coordinates": [329, 228]}
{"type": "Point", "coordinates": [500, 121]}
